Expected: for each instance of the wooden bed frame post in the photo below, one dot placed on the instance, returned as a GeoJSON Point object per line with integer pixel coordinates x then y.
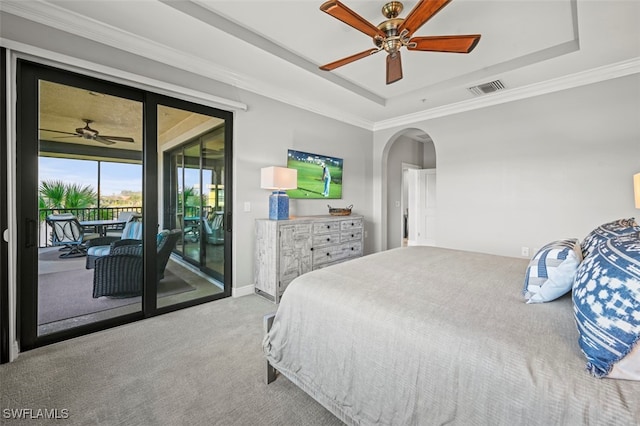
{"type": "Point", "coordinates": [267, 322]}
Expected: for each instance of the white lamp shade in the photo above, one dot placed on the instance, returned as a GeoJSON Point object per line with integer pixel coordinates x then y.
{"type": "Point", "coordinates": [278, 178]}
{"type": "Point", "coordinates": [636, 189]}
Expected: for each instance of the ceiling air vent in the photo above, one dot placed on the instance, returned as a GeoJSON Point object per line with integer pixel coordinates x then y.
{"type": "Point", "coordinates": [483, 89]}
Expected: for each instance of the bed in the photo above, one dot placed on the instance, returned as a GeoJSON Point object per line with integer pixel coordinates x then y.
{"type": "Point", "coordinates": [431, 336]}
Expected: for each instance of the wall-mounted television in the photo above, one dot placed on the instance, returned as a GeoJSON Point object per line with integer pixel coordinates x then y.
{"type": "Point", "coordinates": [319, 176]}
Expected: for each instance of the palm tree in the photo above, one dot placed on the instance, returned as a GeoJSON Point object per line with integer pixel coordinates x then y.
{"type": "Point", "coordinates": [52, 194]}
{"type": "Point", "coordinates": [77, 197]}
{"type": "Point", "coordinates": [58, 195]}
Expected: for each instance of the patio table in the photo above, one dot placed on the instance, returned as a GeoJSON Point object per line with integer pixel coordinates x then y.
{"type": "Point", "coordinates": [101, 226]}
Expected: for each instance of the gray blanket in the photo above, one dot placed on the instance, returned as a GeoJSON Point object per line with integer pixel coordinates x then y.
{"type": "Point", "coordinates": [431, 336]}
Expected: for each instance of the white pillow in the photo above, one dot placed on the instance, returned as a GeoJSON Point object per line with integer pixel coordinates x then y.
{"type": "Point", "coordinates": [551, 271]}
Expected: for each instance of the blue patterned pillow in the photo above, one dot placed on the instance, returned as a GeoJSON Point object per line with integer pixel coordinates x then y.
{"type": "Point", "coordinates": [606, 231]}
{"type": "Point", "coordinates": [606, 303]}
{"type": "Point", "coordinates": [551, 271]}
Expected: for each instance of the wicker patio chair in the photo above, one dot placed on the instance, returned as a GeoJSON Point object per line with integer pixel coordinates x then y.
{"type": "Point", "coordinates": [99, 247]}
{"type": "Point", "coordinates": [119, 274]}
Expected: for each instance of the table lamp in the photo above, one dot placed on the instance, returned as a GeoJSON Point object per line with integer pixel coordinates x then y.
{"type": "Point", "coordinates": [278, 179]}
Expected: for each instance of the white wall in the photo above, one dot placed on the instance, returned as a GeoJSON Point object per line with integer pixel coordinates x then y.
{"type": "Point", "coordinates": [530, 171]}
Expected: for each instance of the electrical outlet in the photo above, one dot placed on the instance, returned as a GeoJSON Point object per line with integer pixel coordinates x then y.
{"type": "Point", "coordinates": [247, 206]}
{"type": "Point", "coordinates": [524, 251]}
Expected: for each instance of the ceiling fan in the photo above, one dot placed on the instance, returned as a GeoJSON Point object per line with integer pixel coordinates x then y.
{"type": "Point", "coordinates": [395, 33]}
{"type": "Point", "coordinates": [88, 133]}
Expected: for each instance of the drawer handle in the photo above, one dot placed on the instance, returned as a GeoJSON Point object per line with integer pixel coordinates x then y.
{"type": "Point", "coordinates": [328, 226]}
{"type": "Point", "coordinates": [352, 235]}
{"type": "Point", "coordinates": [311, 248]}
{"type": "Point", "coordinates": [328, 239]}
{"type": "Point", "coordinates": [352, 249]}
{"type": "Point", "coordinates": [328, 254]}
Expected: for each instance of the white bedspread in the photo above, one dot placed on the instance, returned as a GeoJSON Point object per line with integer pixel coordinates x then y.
{"type": "Point", "coordinates": [431, 336]}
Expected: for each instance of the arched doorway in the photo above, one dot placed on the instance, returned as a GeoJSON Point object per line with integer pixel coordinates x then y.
{"type": "Point", "coordinates": [410, 148]}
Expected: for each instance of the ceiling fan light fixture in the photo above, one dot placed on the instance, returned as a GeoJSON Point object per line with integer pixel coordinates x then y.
{"type": "Point", "coordinates": [394, 33]}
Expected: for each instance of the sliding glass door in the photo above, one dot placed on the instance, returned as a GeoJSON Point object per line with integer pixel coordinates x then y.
{"type": "Point", "coordinates": [99, 245]}
{"type": "Point", "coordinates": [194, 194]}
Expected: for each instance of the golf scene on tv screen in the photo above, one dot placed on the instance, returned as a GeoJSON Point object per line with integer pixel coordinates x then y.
{"type": "Point", "coordinates": [319, 176]}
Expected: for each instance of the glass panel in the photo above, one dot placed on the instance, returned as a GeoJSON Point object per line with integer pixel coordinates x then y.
{"type": "Point", "coordinates": [192, 203]}
{"type": "Point", "coordinates": [195, 192]}
{"type": "Point", "coordinates": [213, 175]}
{"type": "Point", "coordinates": [174, 200]}
{"type": "Point", "coordinates": [85, 139]}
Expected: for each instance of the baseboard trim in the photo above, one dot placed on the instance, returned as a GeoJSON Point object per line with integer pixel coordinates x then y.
{"type": "Point", "coordinates": [242, 291]}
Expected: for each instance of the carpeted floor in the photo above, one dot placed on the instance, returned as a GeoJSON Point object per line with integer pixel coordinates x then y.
{"type": "Point", "coordinates": [68, 294]}
{"type": "Point", "coordinates": [197, 366]}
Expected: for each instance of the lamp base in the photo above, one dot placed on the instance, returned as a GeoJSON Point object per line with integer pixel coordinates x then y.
{"type": "Point", "coordinates": [278, 205]}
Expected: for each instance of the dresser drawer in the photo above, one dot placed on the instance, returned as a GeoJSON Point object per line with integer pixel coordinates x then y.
{"type": "Point", "coordinates": [346, 225]}
{"type": "Point", "coordinates": [355, 249]}
{"type": "Point", "coordinates": [326, 239]}
{"type": "Point", "coordinates": [330, 254]}
{"type": "Point", "coordinates": [324, 227]}
{"type": "Point", "coordinates": [354, 234]}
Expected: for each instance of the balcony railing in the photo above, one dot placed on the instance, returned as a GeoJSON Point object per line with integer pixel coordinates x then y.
{"type": "Point", "coordinates": [103, 213]}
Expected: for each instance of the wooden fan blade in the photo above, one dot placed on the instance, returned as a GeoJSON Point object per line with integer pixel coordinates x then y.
{"type": "Point", "coordinates": [421, 13]}
{"type": "Point", "coordinates": [349, 17]}
{"type": "Point", "coordinates": [394, 68]}
{"type": "Point", "coordinates": [349, 59]}
{"type": "Point", "coordinates": [117, 138]}
{"type": "Point", "coordinates": [105, 141]}
{"type": "Point", "coordinates": [58, 131]}
{"type": "Point", "coordinates": [455, 44]}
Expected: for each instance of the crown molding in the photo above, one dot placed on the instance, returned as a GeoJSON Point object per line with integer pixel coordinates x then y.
{"type": "Point", "coordinates": [57, 17]}
{"type": "Point", "coordinates": [570, 81]}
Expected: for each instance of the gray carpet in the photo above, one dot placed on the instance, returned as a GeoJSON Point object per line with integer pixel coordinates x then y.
{"type": "Point", "coordinates": [197, 366]}
{"type": "Point", "coordinates": [69, 294]}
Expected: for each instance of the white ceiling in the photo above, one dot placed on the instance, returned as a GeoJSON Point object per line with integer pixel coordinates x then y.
{"type": "Point", "coordinates": [274, 48]}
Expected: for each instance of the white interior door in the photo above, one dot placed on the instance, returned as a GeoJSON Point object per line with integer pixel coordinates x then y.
{"type": "Point", "coordinates": [422, 207]}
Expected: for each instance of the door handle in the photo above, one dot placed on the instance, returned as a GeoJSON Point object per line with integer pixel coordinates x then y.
{"type": "Point", "coordinates": [30, 232]}
{"type": "Point", "coordinates": [228, 227]}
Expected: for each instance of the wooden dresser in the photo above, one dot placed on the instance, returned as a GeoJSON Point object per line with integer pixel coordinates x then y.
{"type": "Point", "coordinates": [286, 249]}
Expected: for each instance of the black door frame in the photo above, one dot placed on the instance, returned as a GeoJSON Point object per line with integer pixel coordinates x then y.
{"type": "Point", "coordinates": [28, 75]}
{"type": "Point", "coordinates": [4, 220]}
{"type": "Point", "coordinates": [169, 195]}
{"type": "Point", "coordinates": [154, 100]}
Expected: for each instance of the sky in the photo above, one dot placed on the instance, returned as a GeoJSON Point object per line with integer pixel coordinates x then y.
{"type": "Point", "coordinates": [116, 177]}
